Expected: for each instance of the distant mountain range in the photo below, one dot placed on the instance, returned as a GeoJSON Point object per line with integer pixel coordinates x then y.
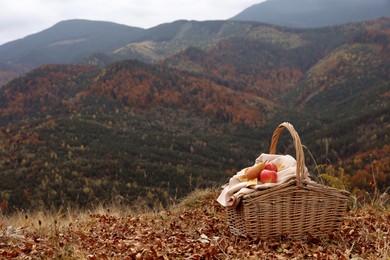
{"type": "Point", "coordinates": [314, 13]}
{"type": "Point", "coordinates": [101, 43]}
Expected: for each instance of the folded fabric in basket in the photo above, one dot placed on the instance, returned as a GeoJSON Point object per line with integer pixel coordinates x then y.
{"type": "Point", "coordinates": [239, 185]}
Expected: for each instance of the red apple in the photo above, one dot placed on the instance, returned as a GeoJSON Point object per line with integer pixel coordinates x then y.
{"type": "Point", "coordinates": [268, 176]}
{"type": "Point", "coordinates": [271, 166]}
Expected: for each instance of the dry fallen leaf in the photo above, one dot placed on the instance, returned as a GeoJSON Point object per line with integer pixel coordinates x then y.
{"type": "Point", "coordinates": [192, 233]}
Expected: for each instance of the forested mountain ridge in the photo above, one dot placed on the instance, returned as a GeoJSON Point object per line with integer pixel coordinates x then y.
{"type": "Point", "coordinates": [152, 133]}
{"type": "Point", "coordinates": [133, 85]}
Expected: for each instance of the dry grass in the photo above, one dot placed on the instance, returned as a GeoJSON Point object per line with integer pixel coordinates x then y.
{"type": "Point", "coordinates": [193, 229]}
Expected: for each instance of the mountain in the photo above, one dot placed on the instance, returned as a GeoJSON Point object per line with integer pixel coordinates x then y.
{"type": "Point", "coordinates": [153, 132]}
{"type": "Point", "coordinates": [314, 13]}
{"type": "Point", "coordinates": [67, 42]}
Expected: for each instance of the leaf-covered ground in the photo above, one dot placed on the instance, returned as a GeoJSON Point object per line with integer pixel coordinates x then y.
{"type": "Point", "coordinates": [194, 229]}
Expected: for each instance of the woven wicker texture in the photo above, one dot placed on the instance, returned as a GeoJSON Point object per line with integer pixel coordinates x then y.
{"type": "Point", "coordinates": [296, 209]}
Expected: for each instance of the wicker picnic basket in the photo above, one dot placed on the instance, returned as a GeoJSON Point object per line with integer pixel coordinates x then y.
{"type": "Point", "coordinates": [298, 209]}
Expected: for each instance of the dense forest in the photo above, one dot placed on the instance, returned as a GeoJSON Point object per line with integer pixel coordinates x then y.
{"type": "Point", "coordinates": [151, 133]}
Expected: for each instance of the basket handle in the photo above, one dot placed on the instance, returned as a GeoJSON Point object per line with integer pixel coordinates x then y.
{"type": "Point", "coordinates": [301, 174]}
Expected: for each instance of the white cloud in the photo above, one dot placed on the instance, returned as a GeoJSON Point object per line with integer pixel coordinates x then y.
{"type": "Point", "coordinates": [19, 18]}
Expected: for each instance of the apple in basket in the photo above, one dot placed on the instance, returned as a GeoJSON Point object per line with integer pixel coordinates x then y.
{"type": "Point", "coordinates": [271, 166]}
{"type": "Point", "coordinates": [268, 176]}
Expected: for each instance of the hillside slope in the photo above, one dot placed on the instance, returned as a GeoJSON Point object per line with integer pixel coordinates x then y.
{"type": "Point", "coordinates": [67, 42]}
{"type": "Point", "coordinates": [128, 84]}
{"type": "Point", "coordinates": [75, 133]}
{"type": "Point", "coordinates": [340, 74]}
{"type": "Point", "coordinates": [314, 13]}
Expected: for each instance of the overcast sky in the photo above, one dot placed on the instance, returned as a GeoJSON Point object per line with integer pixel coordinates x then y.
{"type": "Point", "coordinates": [19, 18]}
